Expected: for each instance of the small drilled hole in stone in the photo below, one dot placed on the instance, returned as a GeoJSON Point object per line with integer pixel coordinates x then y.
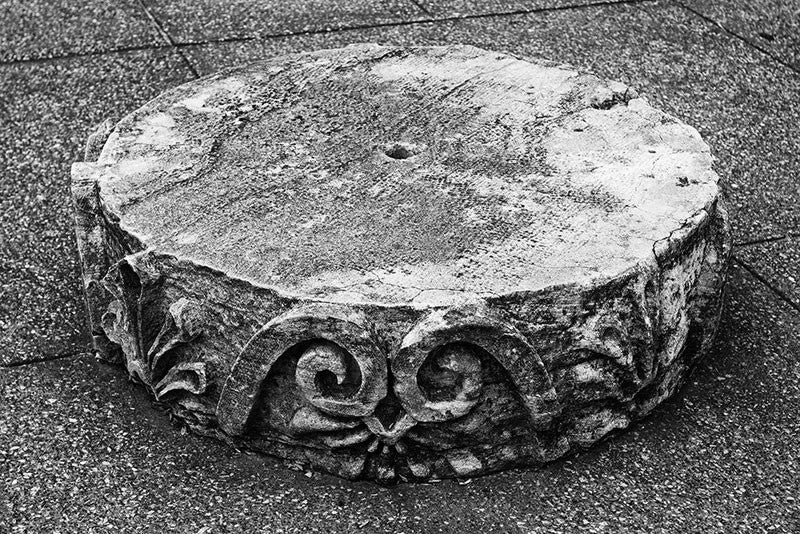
{"type": "Point", "coordinates": [400, 151]}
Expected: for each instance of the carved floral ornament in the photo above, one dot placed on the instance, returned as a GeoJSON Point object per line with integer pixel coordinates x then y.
{"type": "Point", "coordinates": [345, 391]}
{"type": "Point", "coordinates": [317, 376]}
{"type": "Point", "coordinates": [150, 340]}
{"type": "Point", "coordinates": [459, 393]}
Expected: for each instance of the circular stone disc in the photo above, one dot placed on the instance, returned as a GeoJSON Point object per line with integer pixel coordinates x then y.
{"type": "Point", "coordinates": [424, 176]}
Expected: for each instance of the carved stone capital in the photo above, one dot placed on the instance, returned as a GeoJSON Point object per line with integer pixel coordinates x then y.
{"type": "Point", "coordinates": [402, 263]}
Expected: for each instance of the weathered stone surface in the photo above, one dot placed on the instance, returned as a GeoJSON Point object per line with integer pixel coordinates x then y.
{"type": "Point", "coordinates": [403, 262]}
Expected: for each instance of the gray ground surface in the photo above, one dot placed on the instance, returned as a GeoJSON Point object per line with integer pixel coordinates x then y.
{"type": "Point", "coordinates": [47, 110]}
{"type": "Point", "coordinates": [467, 8]}
{"type": "Point", "coordinates": [84, 448]}
{"type": "Point", "coordinates": [770, 25]}
{"type": "Point", "coordinates": [81, 448]}
{"type": "Point", "coordinates": [33, 29]}
{"type": "Point", "coordinates": [198, 20]}
{"type": "Point", "coordinates": [777, 261]}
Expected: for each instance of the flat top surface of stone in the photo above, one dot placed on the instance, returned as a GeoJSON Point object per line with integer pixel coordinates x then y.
{"type": "Point", "coordinates": [422, 175]}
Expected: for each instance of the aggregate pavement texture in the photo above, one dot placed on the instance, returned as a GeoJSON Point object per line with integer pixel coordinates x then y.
{"type": "Point", "coordinates": [80, 447]}
{"type": "Point", "coordinates": [47, 110]}
{"type": "Point", "coordinates": [469, 8]}
{"type": "Point", "coordinates": [777, 262]}
{"type": "Point", "coordinates": [35, 29]}
{"type": "Point", "coordinates": [770, 25]}
{"type": "Point", "coordinates": [198, 20]}
{"type": "Point", "coordinates": [82, 450]}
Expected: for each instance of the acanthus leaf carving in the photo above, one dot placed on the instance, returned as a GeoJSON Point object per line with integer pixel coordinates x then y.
{"type": "Point", "coordinates": [187, 376]}
{"type": "Point", "coordinates": [612, 350]}
{"type": "Point", "coordinates": [148, 337]}
{"type": "Point", "coordinates": [182, 325]}
{"type": "Point", "coordinates": [116, 324]}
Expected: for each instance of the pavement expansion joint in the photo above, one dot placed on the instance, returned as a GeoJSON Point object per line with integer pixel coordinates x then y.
{"type": "Point", "coordinates": [421, 6]}
{"type": "Point", "coordinates": [412, 22]}
{"type": "Point", "coordinates": [120, 50]}
{"type": "Point", "coordinates": [762, 240]}
{"type": "Point", "coordinates": [745, 40]}
{"type": "Point", "coordinates": [166, 36]}
{"type": "Point", "coordinates": [177, 45]}
{"type": "Point", "coordinates": [43, 359]}
{"type": "Point", "coordinates": [758, 276]}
